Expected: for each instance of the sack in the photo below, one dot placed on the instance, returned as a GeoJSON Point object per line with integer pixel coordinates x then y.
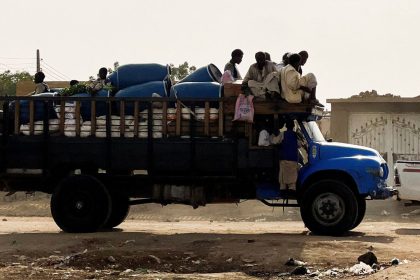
{"type": "Point", "coordinates": [244, 109]}
{"type": "Point", "coordinates": [264, 138]}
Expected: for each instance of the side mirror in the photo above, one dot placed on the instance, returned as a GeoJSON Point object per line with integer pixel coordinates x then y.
{"type": "Point", "coordinates": [329, 140]}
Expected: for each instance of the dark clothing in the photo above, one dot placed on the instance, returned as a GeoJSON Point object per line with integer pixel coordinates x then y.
{"type": "Point", "coordinates": [233, 70]}
{"type": "Point", "coordinates": [289, 146]}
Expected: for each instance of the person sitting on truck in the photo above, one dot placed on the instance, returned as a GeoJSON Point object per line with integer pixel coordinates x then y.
{"type": "Point", "coordinates": [268, 57]}
{"type": "Point", "coordinates": [296, 88]}
{"type": "Point", "coordinates": [284, 62]}
{"type": "Point", "coordinates": [304, 57]}
{"type": "Point", "coordinates": [288, 158]}
{"type": "Point", "coordinates": [237, 56]}
{"type": "Point", "coordinates": [262, 78]}
{"type": "Point", "coordinates": [40, 85]}
{"type": "Point", "coordinates": [100, 82]}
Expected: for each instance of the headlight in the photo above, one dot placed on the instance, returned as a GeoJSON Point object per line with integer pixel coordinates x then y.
{"type": "Point", "coordinates": [381, 172]}
{"type": "Point", "coordinates": [378, 171]}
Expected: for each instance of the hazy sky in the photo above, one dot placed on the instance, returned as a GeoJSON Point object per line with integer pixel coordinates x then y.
{"type": "Point", "coordinates": [353, 45]}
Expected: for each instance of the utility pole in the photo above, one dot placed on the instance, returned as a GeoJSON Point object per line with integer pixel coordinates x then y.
{"type": "Point", "coordinates": [38, 62]}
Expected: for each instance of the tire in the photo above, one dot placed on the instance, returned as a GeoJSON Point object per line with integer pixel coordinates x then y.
{"type": "Point", "coordinates": [80, 203]}
{"type": "Point", "coordinates": [329, 207]}
{"type": "Point", "coordinates": [361, 211]}
{"type": "Point", "coordinates": [119, 210]}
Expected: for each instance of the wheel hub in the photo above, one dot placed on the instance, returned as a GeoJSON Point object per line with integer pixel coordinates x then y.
{"type": "Point", "coordinates": [79, 205]}
{"type": "Point", "coordinates": [328, 208]}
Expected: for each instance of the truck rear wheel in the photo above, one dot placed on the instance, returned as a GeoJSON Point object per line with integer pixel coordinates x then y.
{"type": "Point", "coordinates": [329, 207]}
{"type": "Point", "coordinates": [119, 210]}
{"type": "Point", "coordinates": [80, 203]}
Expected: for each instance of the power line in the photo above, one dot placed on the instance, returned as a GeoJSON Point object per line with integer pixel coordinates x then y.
{"type": "Point", "coordinates": [55, 70]}
{"type": "Point", "coordinates": [14, 68]}
{"type": "Point", "coordinates": [54, 73]}
{"type": "Point", "coordinates": [2, 57]}
{"type": "Point", "coordinates": [22, 63]}
{"type": "Point", "coordinates": [51, 74]}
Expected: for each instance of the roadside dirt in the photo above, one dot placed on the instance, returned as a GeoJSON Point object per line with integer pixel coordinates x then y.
{"type": "Point", "coordinates": [248, 241]}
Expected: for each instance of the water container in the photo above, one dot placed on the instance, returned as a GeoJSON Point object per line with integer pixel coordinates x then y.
{"type": "Point", "coordinates": [39, 109]}
{"type": "Point", "coordinates": [194, 90]}
{"type": "Point", "coordinates": [135, 74]}
{"type": "Point", "coordinates": [85, 106]}
{"type": "Point", "coordinates": [209, 73]}
{"type": "Point", "coordinates": [143, 90]}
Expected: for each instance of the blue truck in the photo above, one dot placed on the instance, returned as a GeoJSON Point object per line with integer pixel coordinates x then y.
{"type": "Point", "coordinates": [177, 151]}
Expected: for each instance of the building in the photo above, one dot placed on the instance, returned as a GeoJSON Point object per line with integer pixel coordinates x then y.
{"type": "Point", "coordinates": [390, 124]}
{"type": "Point", "coordinates": [26, 87]}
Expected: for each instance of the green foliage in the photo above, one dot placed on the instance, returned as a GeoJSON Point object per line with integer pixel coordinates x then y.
{"type": "Point", "coordinates": [83, 88]}
{"type": "Point", "coordinates": [180, 72]}
{"type": "Point", "coordinates": [9, 80]}
{"type": "Point", "coordinates": [75, 89]}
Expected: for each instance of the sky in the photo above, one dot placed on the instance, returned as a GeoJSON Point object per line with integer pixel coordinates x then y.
{"type": "Point", "coordinates": [353, 46]}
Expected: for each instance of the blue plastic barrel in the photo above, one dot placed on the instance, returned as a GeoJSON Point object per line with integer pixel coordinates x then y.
{"type": "Point", "coordinates": [39, 107]}
{"type": "Point", "coordinates": [85, 107]}
{"type": "Point", "coordinates": [209, 73]}
{"type": "Point", "coordinates": [143, 90]}
{"type": "Point", "coordinates": [135, 74]}
{"type": "Point", "coordinates": [194, 90]}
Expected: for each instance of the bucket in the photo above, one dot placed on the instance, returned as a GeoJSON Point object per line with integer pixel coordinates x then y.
{"type": "Point", "coordinates": [209, 73]}
{"type": "Point", "coordinates": [135, 74]}
{"type": "Point", "coordinates": [143, 90]}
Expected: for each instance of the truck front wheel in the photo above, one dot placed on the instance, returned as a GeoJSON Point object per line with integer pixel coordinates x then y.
{"type": "Point", "coordinates": [329, 207]}
{"type": "Point", "coordinates": [361, 211]}
{"type": "Point", "coordinates": [80, 203]}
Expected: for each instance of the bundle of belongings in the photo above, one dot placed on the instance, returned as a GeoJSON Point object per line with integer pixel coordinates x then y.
{"type": "Point", "coordinates": [132, 80]}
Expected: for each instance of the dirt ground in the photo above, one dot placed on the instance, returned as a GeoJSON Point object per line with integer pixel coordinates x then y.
{"type": "Point", "coordinates": [244, 241]}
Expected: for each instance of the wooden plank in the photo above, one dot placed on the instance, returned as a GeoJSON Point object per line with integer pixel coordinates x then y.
{"type": "Point", "coordinates": [232, 89]}
{"type": "Point", "coordinates": [250, 133]}
{"type": "Point", "coordinates": [165, 119]}
{"type": "Point", "coordinates": [265, 107]}
{"type": "Point", "coordinates": [207, 119]}
{"type": "Point", "coordinates": [276, 122]}
{"type": "Point", "coordinates": [136, 119]}
{"type": "Point", "coordinates": [221, 130]}
{"type": "Point", "coordinates": [17, 117]}
{"type": "Point", "coordinates": [93, 117]}
{"type": "Point", "coordinates": [178, 118]}
{"type": "Point", "coordinates": [122, 118]}
{"type": "Point", "coordinates": [62, 116]}
{"type": "Point", "coordinates": [31, 117]}
{"type": "Point", "coordinates": [77, 118]}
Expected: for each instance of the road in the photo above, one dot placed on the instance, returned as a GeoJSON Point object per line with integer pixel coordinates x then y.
{"type": "Point", "coordinates": [35, 248]}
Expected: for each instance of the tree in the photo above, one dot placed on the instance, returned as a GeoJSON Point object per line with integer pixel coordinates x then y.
{"type": "Point", "coordinates": [9, 80]}
{"type": "Point", "coordinates": [180, 72]}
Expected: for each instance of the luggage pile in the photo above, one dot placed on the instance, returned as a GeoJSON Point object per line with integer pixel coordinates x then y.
{"type": "Point", "coordinates": [131, 81]}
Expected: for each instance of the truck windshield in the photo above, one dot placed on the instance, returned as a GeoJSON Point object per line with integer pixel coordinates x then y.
{"type": "Point", "coordinates": [313, 131]}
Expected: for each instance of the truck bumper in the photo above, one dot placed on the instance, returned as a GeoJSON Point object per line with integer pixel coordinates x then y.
{"type": "Point", "coordinates": [382, 191]}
